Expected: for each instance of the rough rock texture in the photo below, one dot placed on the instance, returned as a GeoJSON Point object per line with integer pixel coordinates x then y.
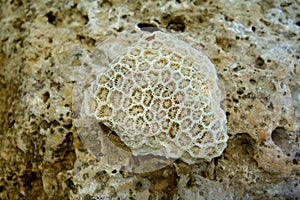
{"type": "Point", "coordinates": [255, 47]}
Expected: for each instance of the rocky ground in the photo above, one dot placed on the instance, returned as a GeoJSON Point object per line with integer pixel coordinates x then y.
{"type": "Point", "coordinates": [255, 46]}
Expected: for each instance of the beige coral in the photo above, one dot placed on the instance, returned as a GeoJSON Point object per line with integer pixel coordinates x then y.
{"type": "Point", "coordinates": [162, 98]}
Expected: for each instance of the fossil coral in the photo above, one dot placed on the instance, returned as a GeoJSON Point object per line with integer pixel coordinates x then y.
{"type": "Point", "coordinates": [162, 98]}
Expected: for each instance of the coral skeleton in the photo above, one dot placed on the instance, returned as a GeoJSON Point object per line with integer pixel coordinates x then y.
{"type": "Point", "coordinates": [162, 98]}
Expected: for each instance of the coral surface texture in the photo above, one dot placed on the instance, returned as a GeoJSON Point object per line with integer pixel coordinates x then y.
{"type": "Point", "coordinates": [162, 97]}
{"type": "Point", "coordinates": [150, 100]}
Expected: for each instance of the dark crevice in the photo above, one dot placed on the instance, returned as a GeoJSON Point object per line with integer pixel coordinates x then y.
{"type": "Point", "coordinates": [51, 17]}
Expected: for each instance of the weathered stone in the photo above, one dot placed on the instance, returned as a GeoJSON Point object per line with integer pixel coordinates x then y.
{"type": "Point", "coordinates": [254, 46]}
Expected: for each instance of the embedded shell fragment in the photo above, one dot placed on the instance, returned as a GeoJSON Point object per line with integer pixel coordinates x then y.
{"type": "Point", "coordinates": [162, 98]}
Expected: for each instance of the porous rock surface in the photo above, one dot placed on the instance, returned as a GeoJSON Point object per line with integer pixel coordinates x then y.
{"type": "Point", "coordinates": [254, 46]}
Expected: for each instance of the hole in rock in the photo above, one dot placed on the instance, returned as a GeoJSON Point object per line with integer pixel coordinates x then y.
{"type": "Point", "coordinates": [148, 27]}
{"type": "Point", "coordinates": [176, 24]}
{"type": "Point", "coordinates": [1, 188]}
{"type": "Point", "coordinates": [51, 17]}
{"type": "Point", "coordinates": [46, 96]}
{"type": "Point", "coordinates": [260, 63]}
{"type": "Point", "coordinates": [285, 140]}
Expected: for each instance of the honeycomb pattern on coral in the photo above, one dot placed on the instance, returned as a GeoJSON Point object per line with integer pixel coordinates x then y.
{"type": "Point", "coordinates": [162, 98]}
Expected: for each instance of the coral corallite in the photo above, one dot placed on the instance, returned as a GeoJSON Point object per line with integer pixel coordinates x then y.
{"type": "Point", "coordinates": [162, 98]}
